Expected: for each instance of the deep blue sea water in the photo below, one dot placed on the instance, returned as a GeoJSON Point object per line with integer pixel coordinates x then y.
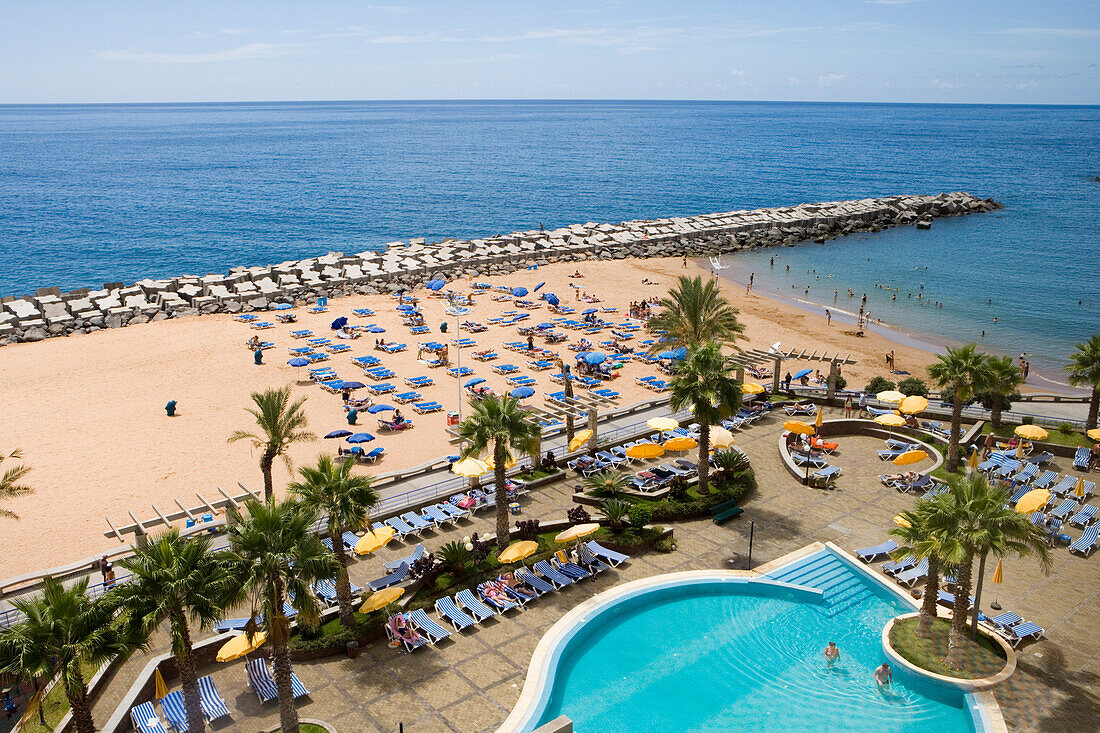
{"type": "Point", "coordinates": [90, 194]}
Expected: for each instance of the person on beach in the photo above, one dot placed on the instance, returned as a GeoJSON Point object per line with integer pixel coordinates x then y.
{"type": "Point", "coordinates": [772, 264]}
{"type": "Point", "coordinates": [987, 449]}
{"type": "Point", "coordinates": [884, 675]}
{"type": "Point", "coordinates": [258, 356]}
{"type": "Point", "coordinates": [684, 264]}
{"type": "Point", "coordinates": [862, 404]}
{"type": "Point", "coordinates": [848, 407]}
{"type": "Point", "coordinates": [828, 318]}
{"type": "Point", "coordinates": [752, 276]}
{"type": "Point", "coordinates": [832, 653]}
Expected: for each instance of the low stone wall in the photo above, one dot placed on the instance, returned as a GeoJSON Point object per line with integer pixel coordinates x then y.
{"type": "Point", "coordinates": [50, 312]}
{"type": "Point", "coordinates": [838, 428]}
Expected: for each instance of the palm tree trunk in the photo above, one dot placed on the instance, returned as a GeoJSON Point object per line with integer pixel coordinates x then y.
{"type": "Point", "coordinates": [189, 680]}
{"type": "Point", "coordinates": [266, 461]}
{"type": "Point", "coordinates": [957, 638]}
{"type": "Point", "coordinates": [500, 455]}
{"type": "Point", "coordinates": [704, 456]}
{"type": "Point", "coordinates": [77, 693]}
{"type": "Point", "coordinates": [1094, 408]}
{"type": "Point", "coordinates": [569, 396]}
{"type": "Point", "coordinates": [978, 598]}
{"type": "Point", "coordinates": [956, 434]}
{"type": "Point", "coordinates": [280, 652]}
{"type": "Point", "coordinates": [995, 413]}
{"type": "Point", "coordinates": [343, 583]}
{"type": "Point", "coordinates": [930, 599]}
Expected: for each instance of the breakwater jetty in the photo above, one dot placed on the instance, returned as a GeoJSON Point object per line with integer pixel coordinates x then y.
{"type": "Point", "coordinates": [51, 312]}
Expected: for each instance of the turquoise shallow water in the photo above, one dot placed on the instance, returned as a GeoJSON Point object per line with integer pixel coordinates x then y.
{"type": "Point", "coordinates": [97, 193]}
{"type": "Point", "coordinates": [710, 660]}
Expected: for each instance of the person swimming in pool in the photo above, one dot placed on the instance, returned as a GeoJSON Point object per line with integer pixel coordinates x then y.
{"type": "Point", "coordinates": [832, 653]}
{"type": "Point", "coordinates": [884, 675]}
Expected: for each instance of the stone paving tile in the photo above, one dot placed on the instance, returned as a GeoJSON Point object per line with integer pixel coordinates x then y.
{"type": "Point", "coordinates": [470, 682]}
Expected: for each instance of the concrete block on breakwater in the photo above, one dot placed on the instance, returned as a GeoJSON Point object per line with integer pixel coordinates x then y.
{"type": "Point", "coordinates": [50, 312]}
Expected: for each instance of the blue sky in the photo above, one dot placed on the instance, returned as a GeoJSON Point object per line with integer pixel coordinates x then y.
{"type": "Point", "coordinates": [981, 51]}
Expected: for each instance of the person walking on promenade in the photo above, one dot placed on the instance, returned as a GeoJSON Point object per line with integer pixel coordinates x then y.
{"type": "Point", "coordinates": [862, 404]}
{"type": "Point", "coordinates": [848, 407]}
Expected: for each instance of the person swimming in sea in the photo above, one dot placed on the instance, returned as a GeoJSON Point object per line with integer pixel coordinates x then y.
{"type": "Point", "coordinates": [832, 654]}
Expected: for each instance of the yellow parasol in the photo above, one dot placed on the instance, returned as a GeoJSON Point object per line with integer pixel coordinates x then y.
{"type": "Point", "coordinates": [575, 533]}
{"type": "Point", "coordinates": [645, 450]}
{"type": "Point", "coordinates": [663, 423]}
{"type": "Point", "coordinates": [679, 444]}
{"type": "Point", "coordinates": [750, 388]}
{"type": "Point", "coordinates": [580, 439]}
{"type": "Point", "coordinates": [998, 576]}
{"type": "Point", "coordinates": [890, 395]}
{"type": "Point", "coordinates": [910, 457]}
{"type": "Point", "coordinates": [973, 460]}
{"type": "Point", "coordinates": [381, 599]}
{"type": "Point", "coordinates": [1020, 451]}
{"type": "Point", "coordinates": [161, 688]}
{"type": "Point", "coordinates": [470, 467]}
{"type": "Point", "coordinates": [818, 420]}
{"type": "Point", "coordinates": [238, 646]}
{"type": "Point", "coordinates": [721, 438]}
{"type": "Point", "coordinates": [518, 551]}
{"type": "Point", "coordinates": [913, 404]}
{"type": "Point", "coordinates": [374, 540]}
{"type": "Point", "coordinates": [797, 426]}
{"type": "Point", "coordinates": [1033, 501]}
{"type": "Point", "coordinates": [1094, 433]}
{"type": "Point", "coordinates": [890, 419]}
{"type": "Point", "coordinates": [492, 464]}
{"type": "Point", "coordinates": [1079, 490]}
{"type": "Point", "coordinates": [1031, 432]}
{"type": "Point", "coordinates": [901, 521]}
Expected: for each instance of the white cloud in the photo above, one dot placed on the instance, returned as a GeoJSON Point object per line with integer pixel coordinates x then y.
{"type": "Point", "coordinates": [403, 40]}
{"type": "Point", "coordinates": [831, 80]}
{"type": "Point", "coordinates": [391, 8]}
{"type": "Point", "coordinates": [793, 81]}
{"type": "Point", "coordinates": [1051, 32]}
{"type": "Point", "coordinates": [240, 53]}
{"type": "Point", "coordinates": [737, 72]}
{"type": "Point", "coordinates": [941, 84]}
{"type": "Point", "coordinates": [234, 31]}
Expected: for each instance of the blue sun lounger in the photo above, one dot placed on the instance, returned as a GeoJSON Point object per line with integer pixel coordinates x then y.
{"type": "Point", "coordinates": [427, 627]}
{"type": "Point", "coordinates": [897, 566]}
{"type": "Point", "coordinates": [1083, 517]}
{"type": "Point", "coordinates": [426, 407]}
{"type": "Point", "coordinates": [263, 684]}
{"type": "Point", "coordinates": [1045, 481]}
{"type": "Point", "coordinates": [406, 397]}
{"type": "Point", "coordinates": [589, 561]}
{"type": "Point", "coordinates": [374, 454]}
{"type": "Point", "coordinates": [533, 581]}
{"type": "Point", "coordinates": [401, 527]}
{"type": "Point", "coordinates": [1087, 542]}
{"type": "Point", "coordinates": [1066, 508]}
{"type": "Point", "coordinates": [1022, 631]}
{"type": "Point", "coordinates": [505, 368]}
{"type": "Point", "coordinates": [501, 604]}
{"type": "Point", "coordinates": [470, 603]}
{"type": "Point", "coordinates": [390, 580]}
{"type": "Point", "coordinates": [384, 388]}
{"type": "Point", "coordinates": [175, 712]}
{"type": "Point", "coordinates": [366, 361]}
{"type": "Point", "coordinates": [463, 372]}
{"type": "Point", "coordinates": [868, 554]}
{"type": "Point", "coordinates": [910, 577]}
{"type": "Point", "coordinates": [416, 521]}
{"type": "Point", "coordinates": [435, 515]}
{"type": "Point", "coordinates": [802, 459]}
{"type": "Point", "coordinates": [213, 706]}
{"type": "Point", "coordinates": [145, 719]}
{"type": "Point", "coordinates": [1019, 494]}
{"type": "Point", "coordinates": [1065, 485]}
{"type": "Point", "coordinates": [548, 571]}
{"type": "Point", "coordinates": [419, 382]}
{"type": "Point", "coordinates": [573, 570]}
{"type": "Point", "coordinates": [417, 553]}
{"type": "Point", "coordinates": [363, 312]}
{"type": "Point", "coordinates": [394, 348]}
{"type": "Point", "coordinates": [1081, 459]}
{"type": "Point", "coordinates": [458, 618]}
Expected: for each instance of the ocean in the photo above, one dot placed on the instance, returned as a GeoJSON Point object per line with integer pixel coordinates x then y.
{"type": "Point", "coordinates": [99, 193]}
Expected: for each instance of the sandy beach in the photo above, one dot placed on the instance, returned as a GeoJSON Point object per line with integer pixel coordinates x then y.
{"type": "Point", "coordinates": [88, 410]}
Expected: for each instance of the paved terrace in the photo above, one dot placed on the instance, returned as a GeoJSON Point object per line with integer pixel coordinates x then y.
{"type": "Point", "coordinates": [471, 682]}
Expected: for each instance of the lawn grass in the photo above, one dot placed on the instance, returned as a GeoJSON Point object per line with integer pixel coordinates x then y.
{"type": "Point", "coordinates": [1074, 438]}
{"type": "Point", "coordinates": [56, 705]}
{"type": "Point", "coordinates": [943, 474]}
{"type": "Point", "coordinates": [982, 659]}
{"type": "Point", "coordinates": [308, 728]}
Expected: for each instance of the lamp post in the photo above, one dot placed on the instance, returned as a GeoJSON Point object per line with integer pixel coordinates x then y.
{"type": "Point", "coordinates": [458, 311]}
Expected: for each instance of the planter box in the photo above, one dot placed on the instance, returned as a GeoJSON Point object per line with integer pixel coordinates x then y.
{"type": "Point", "coordinates": [544, 481]}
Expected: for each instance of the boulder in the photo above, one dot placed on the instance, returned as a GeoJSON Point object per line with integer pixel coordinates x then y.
{"type": "Point", "coordinates": [35, 334]}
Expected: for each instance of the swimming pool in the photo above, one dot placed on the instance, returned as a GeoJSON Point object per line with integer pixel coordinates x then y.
{"type": "Point", "coordinates": [712, 652]}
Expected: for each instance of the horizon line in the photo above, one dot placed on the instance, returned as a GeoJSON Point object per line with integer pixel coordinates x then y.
{"type": "Point", "coordinates": [475, 100]}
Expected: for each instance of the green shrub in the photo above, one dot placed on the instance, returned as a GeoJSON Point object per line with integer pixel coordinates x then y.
{"type": "Point", "coordinates": [1027, 420]}
{"type": "Point", "coordinates": [606, 484]}
{"type": "Point", "coordinates": [615, 511]}
{"type": "Point", "coordinates": [578, 515]}
{"type": "Point", "coordinates": [986, 398]}
{"type": "Point", "coordinates": [527, 529]}
{"type": "Point", "coordinates": [729, 462]}
{"type": "Point", "coordinates": [665, 544]}
{"type": "Point", "coordinates": [1066, 428]}
{"type": "Point", "coordinates": [735, 488]}
{"type": "Point", "coordinates": [453, 557]}
{"type": "Point", "coordinates": [640, 515]}
{"type": "Point", "coordinates": [879, 384]}
{"type": "Point", "coordinates": [913, 386]}
{"type": "Point", "coordinates": [841, 382]}
{"type": "Point", "coordinates": [677, 488]}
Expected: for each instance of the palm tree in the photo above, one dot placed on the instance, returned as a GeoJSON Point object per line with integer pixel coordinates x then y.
{"type": "Point", "coordinates": [333, 490]}
{"type": "Point", "coordinates": [693, 313]}
{"type": "Point", "coordinates": [917, 536]}
{"type": "Point", "coordinates": [502, 425]}
{"type": "Point", "coordinates": [9, 481]}
{"type": "Point", "coordinates": [963, 372]}
{"type": "Point", "coordinates": [607, 484]}
{"type": "Point", "coordinates": [273, 557]}
{"type": "Point", "coordinates": [65, 630]}
{"type": "Point", "coordinates": [1084, 371]}
{"type": "Point", "coordinates": [179, 580]}
{"type": "Point", "coordinates": [282, 423]}
{"type": "Point", "coordinates": [1004, 379]}
{"type": "Point", "coordinates": [705, 383]}
{"type": "Point", "coordinates": [973, 520]}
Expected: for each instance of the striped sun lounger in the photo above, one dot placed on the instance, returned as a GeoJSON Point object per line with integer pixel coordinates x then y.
{"type": "Point", "coordinates": [1015, 635]}
{"type": "Point", "coordinates": [467, 600]}
{"type": "Point", "coordinates": [1087, 542]}
{"type": "Point", "coordinates": [145, 719]}
{"type": "Point", "coordinates": [392, 579]}
{"type": "Point", "coordinates": [868, 554]}
{"type": "Point", "coordinates": [213, 706]}
{"type": "Point", "coordinates": [174, 710]}
{"type": "Point", "coordinates": [263, 684]}
{"type": "Point", "coordinates": [427, 627]}
{"type": "Point", "coordinates": [458, 618]}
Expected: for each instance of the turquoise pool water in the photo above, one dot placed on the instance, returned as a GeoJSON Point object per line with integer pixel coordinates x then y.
{"type": "Point", "coordinates": [722, 656]}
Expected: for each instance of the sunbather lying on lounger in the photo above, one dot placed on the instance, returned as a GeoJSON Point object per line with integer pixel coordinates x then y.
{"type": "Point", "coordinates": [509, 580]}
{"type": "Point", "coordinates": [495, 592]}
{"type": "Point", "coordinates": [403, 630]}
{"type": "Point", "coordinates": [908, 477]}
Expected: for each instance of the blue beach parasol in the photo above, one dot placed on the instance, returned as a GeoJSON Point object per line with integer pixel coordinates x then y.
{"type": "Point", "coordinates": [283, 306]}
{"type": "Point", "coordinates": [545, 325]}
{"type": "Point", "coordinates": [375, 409]}
{"type": "Point", "coordinates": [802, 373]}
{"type": "Point", "coordinates": [298, 362]}
{"type": "Point", "coordinates": [474, 382]}
{"type": "Point", "coordinates": [521, 392]}
{"type": "Point", "coordinates": [676, 354]}
{"type": "Point", "coordinates": [361, 438]}
{"type": "Point", "coordinates": [338, 434]}
{"type": "Point", "coordinates": [537, 287]}
{"type": "Point", "coordinates": [519, 292]}
{"type": "Point", "coordinates": [339, 323]}
{"type": "Point", "coordinates": [594, 358]}
{"type": "Point", "coordinates": [352, 385]}
{"type": "Point", "coordinates": [435, 284]}
{"type": "Point", "coordinates": [406, 307]}
{"type": "Point", "coordinates": [588, 311]}
{"type": "Point", "coordinates": [552, 299]}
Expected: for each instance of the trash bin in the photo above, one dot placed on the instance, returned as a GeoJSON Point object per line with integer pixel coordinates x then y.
{"type": "Point", "coordinates": [353, 649]}
{"type": "Point", "coordinates": [452, 418]}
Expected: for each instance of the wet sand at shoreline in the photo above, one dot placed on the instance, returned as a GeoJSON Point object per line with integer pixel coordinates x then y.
{"type": "Point", "coordinates": [88, 410]}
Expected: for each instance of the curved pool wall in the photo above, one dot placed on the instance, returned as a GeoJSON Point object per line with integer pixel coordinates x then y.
{"type": "Point", "coordinates": [564, 647]}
